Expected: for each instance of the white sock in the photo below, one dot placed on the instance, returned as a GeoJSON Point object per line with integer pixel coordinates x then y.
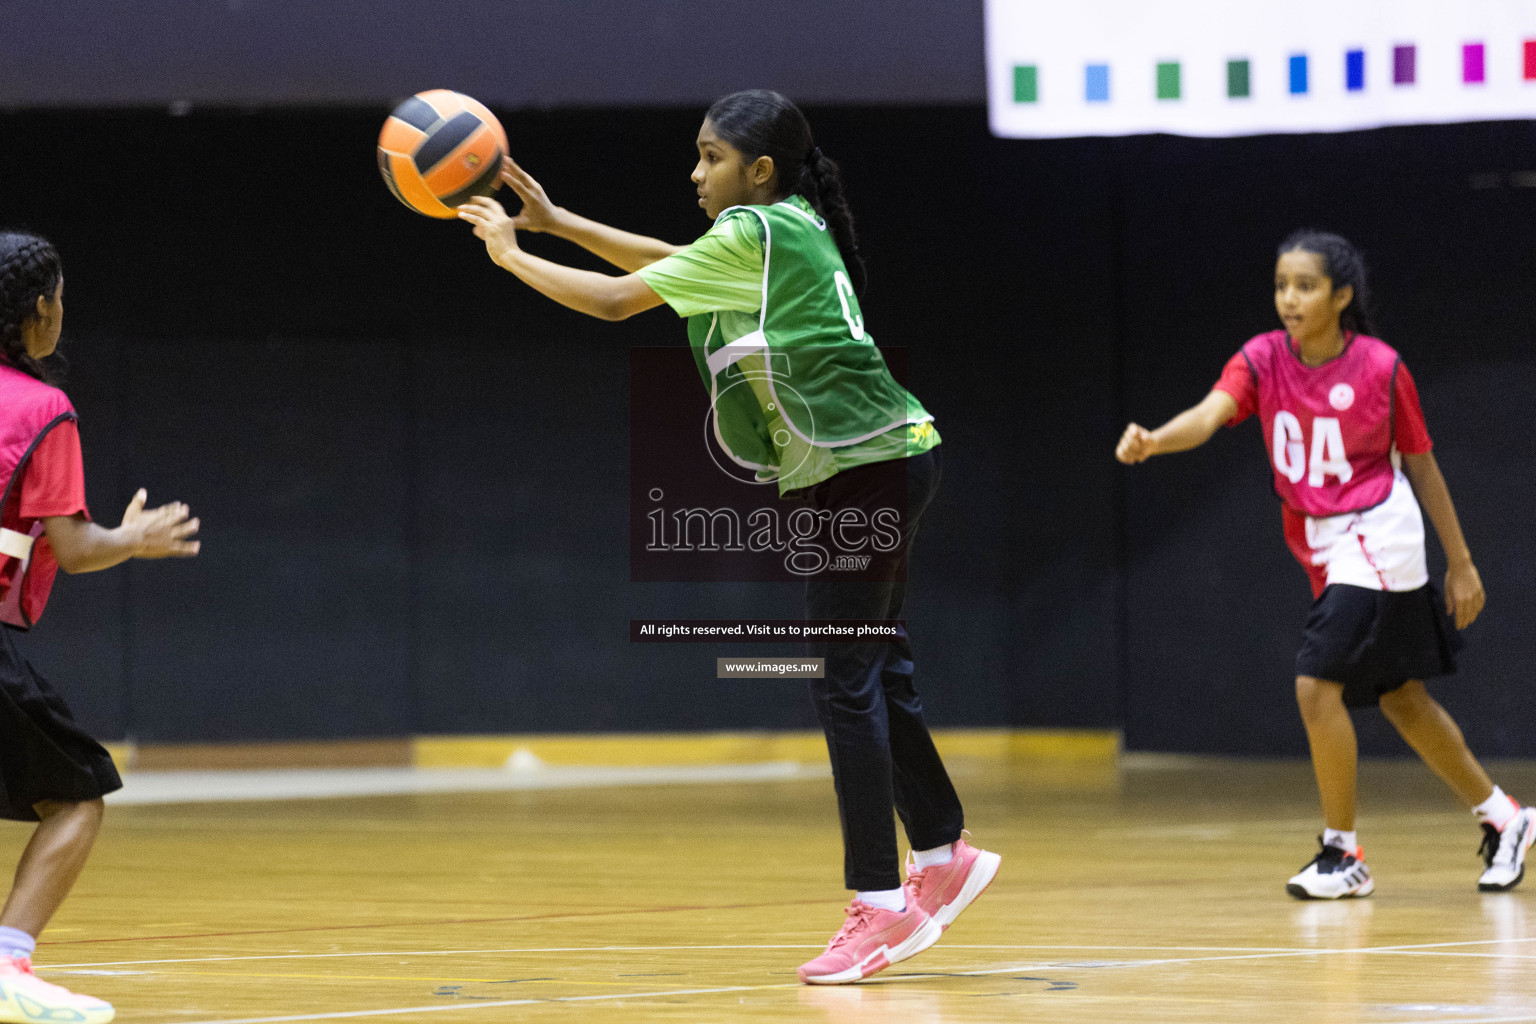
{"type": "Point", "coordinates": [934, 857]}
{"type": "Point", "coordinates": [15, 942]}
{"type": "Point", "coordinates": [1497, 809]}
{"type": "Point", "coordinates": [885, 899]}
{"type": "Point", "coordinates": [1345, 841]}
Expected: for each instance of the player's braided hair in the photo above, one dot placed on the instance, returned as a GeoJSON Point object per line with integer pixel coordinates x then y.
{"type": "Point", "coordinates": [29, 268]}
{"type": "Point", "coordinates": [760, 122]}
{"type": "Point", "coordinates": [1344, 265]}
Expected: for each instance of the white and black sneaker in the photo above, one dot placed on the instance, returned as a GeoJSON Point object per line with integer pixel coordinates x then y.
{"type": "Point", "coordinates": [1332, 875]}
{"type": "Point", "coordinates": [1503, 851]}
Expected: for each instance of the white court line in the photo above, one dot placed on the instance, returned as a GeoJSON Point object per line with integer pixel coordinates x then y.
{"type": "Point", "coordinates": [1268, 954]}
{"type": "Point", "coordinates": [439, 1007]}
{"type": "Point", "coordinates": [1247, 950]}
{"type": "Point", "coordinates": [415, 952]}
{"type": "Point", "coordinates": [646, 949]}
{"type": "Point", "coordinates": [1408, 950]}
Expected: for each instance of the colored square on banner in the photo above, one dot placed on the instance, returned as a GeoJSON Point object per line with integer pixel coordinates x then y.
{"type": "Point", "coordinates": [1097, 83]}
{"type": "Point", "coordinates": [1237, 80]}
{"type": "Point", "coordinates": [1026, 83]}
{"type": "Point", "coordinates": [1354, 70]}
{"type": "Point", "coordinates": [1405, 65]}
{"type": "Point", "coordinates": [1168, 81]}
{"type": "Point", "coordinates": [1530, 60]}
{"type": "Point", "coordinates": [1298, 67]}
{"type": "Point", "coordinates": [1472, 69]}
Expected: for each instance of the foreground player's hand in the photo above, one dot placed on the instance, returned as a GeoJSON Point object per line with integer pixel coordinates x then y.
{"type": "Point", "coordinates": [162, 532]}
{"type": "Point", "coordinates": [1464, 597]}
{"type": "Point", "coordinates": [1135, 445]}
{"type": "Point", "coordinates": [492, 226]}
{"type": "Point", "coordinates": [538, 213]}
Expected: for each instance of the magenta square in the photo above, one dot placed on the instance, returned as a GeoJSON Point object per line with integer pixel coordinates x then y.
{"type": "Point", "coordinates": [1472, 63]}
{"type": "Point", "coordinates": [1404, 61]}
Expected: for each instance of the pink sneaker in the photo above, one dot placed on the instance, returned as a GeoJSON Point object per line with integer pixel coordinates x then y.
{"type": "Point", "coordinates": [870, 940]}
{"type": "Point", "coordinates": [946, 889]}
{"type": "Point", "coordinates": [25, 998]}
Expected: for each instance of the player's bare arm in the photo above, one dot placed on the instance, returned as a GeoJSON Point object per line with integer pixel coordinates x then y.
{"type": "Point", "coordinates": [82, 546]}
{"type": "Point", "coordinates": [1189, 429]}
{"type": "Point", "coordinates": [624, 249]}
{"type": "Point", "coordinates": [1464, 596]}
{"type": "Point", "coordinates": [600, 295]}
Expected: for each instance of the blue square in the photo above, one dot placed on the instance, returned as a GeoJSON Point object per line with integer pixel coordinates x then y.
{"type": "Point", "coordinates": [1299, 75]}
{"type": "Point", "coordinates": [1354, 70]}
{"type": "Point", "coordinates": [1098, 83]}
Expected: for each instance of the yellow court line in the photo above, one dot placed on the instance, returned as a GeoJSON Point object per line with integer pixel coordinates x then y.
{"type": "Point", "coordinates": [1074, 746]}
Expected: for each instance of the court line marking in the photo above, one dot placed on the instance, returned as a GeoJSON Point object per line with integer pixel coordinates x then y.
{"type": "Point", "coordinates": [416, 952]}
{"type": "Point", "coordinates": [642, 949]}
{"type": "Point", "coordinates": [1246, 950]}
{"type": "Point", "coordinates": [437, 1008]}
{"type": "Point", "coordinates": [334, 1015]}
{"type": "Point", "coordinates": [1263, 955]}
{"type": "Point", "coordinates": [442, 1008]}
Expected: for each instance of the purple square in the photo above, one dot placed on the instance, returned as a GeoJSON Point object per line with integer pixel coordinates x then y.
{"type": "Point", "coordinates": [1472, 63]}
{"type": "Point", "coordinates": [1404, 59]}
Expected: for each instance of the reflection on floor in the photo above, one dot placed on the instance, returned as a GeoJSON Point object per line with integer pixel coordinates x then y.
{"type": "Point", "coordinates": [1149, 893]}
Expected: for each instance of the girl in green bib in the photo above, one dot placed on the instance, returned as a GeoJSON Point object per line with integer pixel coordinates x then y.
{"type": "Point", "coordinates": [771, 297]}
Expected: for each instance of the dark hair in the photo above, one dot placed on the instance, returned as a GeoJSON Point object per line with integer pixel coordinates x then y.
{"type": "Point", "coordinates": [1344, 265]}
{"type": "Point", "coordinates": [760, 122]}
{"type": "Point", "coordinates": [29, 268]}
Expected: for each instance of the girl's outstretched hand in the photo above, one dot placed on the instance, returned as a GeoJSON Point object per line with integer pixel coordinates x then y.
{"type": "Point", "coordinates": [1464, 596]}
{"type": "Point", "coordinates": [163, 532]}
{"type": "Point", "coordinates": [538, 213]}
{"type": "Point", "coordinates": [492, 226]}
{"type": "Point", "coordinates": [1135, 445]}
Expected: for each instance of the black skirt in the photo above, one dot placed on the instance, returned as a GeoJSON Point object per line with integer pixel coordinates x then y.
{"type": "Point", "coordinates": [44, 755]}
{"type": "Point", "coordinates": [1374, 641]}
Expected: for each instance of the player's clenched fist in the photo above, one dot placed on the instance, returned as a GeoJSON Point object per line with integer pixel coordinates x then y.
{"type": "Point", "coordinates": [1136, 444]}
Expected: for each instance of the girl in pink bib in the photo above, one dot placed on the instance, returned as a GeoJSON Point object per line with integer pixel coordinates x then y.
{"type": "Point", "coordinates": [1352, 463]}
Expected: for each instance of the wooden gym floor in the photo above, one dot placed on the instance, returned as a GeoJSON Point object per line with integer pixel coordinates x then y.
{"type": "Point", "coordinates": [1149, 893]}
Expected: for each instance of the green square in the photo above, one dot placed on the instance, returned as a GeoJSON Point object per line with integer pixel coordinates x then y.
{"type": "Point", "coordinates": [1237, 79]}
{"type": "Point", "coordinates": [1168, 81]}
{"type": "Point", "coordinates": [1026, 83]}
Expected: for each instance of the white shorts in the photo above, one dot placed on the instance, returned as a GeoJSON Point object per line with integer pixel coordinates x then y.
{"type": "Point", "coordinates": [1381, 548]}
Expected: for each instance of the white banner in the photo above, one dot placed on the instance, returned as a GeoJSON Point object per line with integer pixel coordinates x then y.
{"type": "Point", "coordinates": [1242, 67]}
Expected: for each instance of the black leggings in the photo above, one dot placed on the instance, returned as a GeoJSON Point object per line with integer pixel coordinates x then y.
{"type": "Point", "coordinates": [882, 755]}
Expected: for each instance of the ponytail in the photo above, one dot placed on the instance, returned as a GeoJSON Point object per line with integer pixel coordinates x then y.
{"type": "Point", "coordinates": [29, 268]}
{"type": "Point", "coordinates": [826, 195]}
{"type": "Point", "coordinates": [760, 122]}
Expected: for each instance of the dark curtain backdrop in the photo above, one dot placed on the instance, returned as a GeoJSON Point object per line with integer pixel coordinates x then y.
{"type": "Point", "coordinates": [508, 53]}
{"type": "Point", "coordinates": [413, 471]}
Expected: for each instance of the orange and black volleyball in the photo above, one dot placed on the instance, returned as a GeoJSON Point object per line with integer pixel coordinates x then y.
{"type": "Point", "coordinates": [439, 149]}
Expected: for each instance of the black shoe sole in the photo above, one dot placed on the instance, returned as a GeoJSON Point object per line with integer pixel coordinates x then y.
{"type": "Point", "coordinates": [1485, 887]}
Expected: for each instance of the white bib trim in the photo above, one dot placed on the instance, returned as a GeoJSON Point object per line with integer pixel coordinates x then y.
{"type": "Point", "coordinates": [1380, 548]}
{"type": "Point", "coordinates": [16, 545]}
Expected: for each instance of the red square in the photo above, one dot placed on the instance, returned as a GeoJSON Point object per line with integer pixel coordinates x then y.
{"type": "Point", "coordinates": [1530, 60]}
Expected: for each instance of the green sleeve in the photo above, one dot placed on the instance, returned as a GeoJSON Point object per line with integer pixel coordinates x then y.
{"type": "Point", "coordinates": [723, 270]}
